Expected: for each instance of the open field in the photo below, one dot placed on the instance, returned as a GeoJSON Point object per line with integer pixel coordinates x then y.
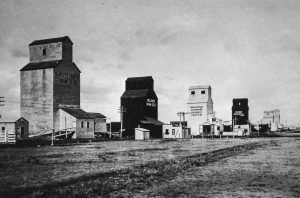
{"type": "Point", "coordinates": [148, 168]}
{"type": "Point", "coordinates": [269, 171]}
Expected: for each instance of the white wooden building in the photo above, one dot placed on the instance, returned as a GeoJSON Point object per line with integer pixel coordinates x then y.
{"type": "Point", "coordinates": [13, 130]}
{"type": "Point", "coordinates": [141, 134]}
{"type": "Point", "coordinates": [175, 132]}
{"type": "Point", "coordinates": [213, 125]}
{"type": "Point", "coordinates": [84, 124]}
{"type": "Point", "coordinates": [272, 118]}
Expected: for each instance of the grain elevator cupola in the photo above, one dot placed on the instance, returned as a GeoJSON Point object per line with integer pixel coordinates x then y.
{"type": "Point", "coordinates": [60, 48]}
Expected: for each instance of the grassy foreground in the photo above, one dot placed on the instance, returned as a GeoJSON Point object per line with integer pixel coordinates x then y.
{"type": "Point", "coordinates": [133, 179]}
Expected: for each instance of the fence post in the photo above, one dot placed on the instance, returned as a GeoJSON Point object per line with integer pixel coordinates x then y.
{"type": "Point", "coordinates": [52, 139]}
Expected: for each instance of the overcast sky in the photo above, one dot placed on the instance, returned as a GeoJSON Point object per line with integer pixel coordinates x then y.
{"type": "Point", "coordinates": [241, 48]}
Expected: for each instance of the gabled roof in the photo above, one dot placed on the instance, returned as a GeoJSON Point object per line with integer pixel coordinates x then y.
{"type": "Point", "coordinates": [96, 115]}
{"type": "Point", "coordinates": [135, 93]}
{"type": "Point", "coordinates": [140, 78]}
{"type": "Point", "coordinates": [41, 65]}
{"type": "Point", "coordinates": [21, 119]}
{"type": "Point", "coordinates": [239, 99]}
{"type": "Point", "coordinates": [154, 121]}
{"type": "Point", "coordinates": [142, 129]}
{"type": "Point", "coordinates": [76, 67]}
{"type": "Point", "coordinates": [51, 40]}
{"type": "Point", "coordinates": [78, 113]}
{"type": "Point", "coordinates": [11, 120]}
{"type": "Point", "coordinates": [44, 65]}
{"type": "Point", "coordinates": [200, 87]}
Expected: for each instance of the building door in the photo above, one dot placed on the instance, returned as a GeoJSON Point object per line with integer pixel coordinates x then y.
{"type": "Point", "coordinates": [18, 132]}
{"type": "Point", "coordinates": [206, 129]}
{"type": "Point", "coordinates": [200, 129]}
{"type": "Point", "coordinates": [22, 134]}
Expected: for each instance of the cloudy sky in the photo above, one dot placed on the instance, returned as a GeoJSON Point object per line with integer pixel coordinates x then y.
{"type": "Point", "coordinates": [241, 48]}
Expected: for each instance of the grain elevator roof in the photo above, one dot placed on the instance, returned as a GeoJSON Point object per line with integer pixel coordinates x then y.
{"type": "Point", "coordinates": [44, 65]}
{"type": "Point", "coordinates": [51, 40]}
{"type": "Point", "coordinates": [135, 93]}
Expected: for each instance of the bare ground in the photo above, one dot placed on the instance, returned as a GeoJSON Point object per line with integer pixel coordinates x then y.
{"type": "Point", "coordinates": [36, 166]}
{"type": "Point", "coordinates": [196, 168]}
{"type": "Point", "coordinates": [269, 171]}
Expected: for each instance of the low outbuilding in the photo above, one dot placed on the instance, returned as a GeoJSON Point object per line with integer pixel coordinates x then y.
{"type": "Point", "coordinates": [13, 130]}
{"type": "Point", "coordinates": [84, 124]}
{"type": "Point", "coordinates": [175, 132]}
{"type": "Point", "coordinates": [142, 134]}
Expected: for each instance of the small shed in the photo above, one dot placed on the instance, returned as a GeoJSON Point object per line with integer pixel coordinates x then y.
{"type": "Point", "coordinates": [142, 134]}
{"type": "Point", "coordinates": [12, 130]}
{"type": "Point", "coordinates": [22, 128]}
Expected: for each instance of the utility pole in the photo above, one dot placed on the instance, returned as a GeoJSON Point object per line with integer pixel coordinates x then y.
{"type": "Point", "coordinates": [234, 123]}
{"type": "Point", "coordinates": [227, 131]}
{"type": "Point", "coordinates": [122, 111]}
{"type": "Point", "coordinates": [183, 115]}
{"type": "Point", "coordinates": [2, 102]}
{"type": "Point", "coordinates": [52, 138]}
{"type": "Point", "coordinates": [183, 118]}
{"type": "Point", "coordinates": [109, 126]}
{"type": "Point", "coordinates": [258, 128]}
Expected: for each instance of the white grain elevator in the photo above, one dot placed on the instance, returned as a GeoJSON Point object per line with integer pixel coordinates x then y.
{"type": "Point", "coordinates": [199, 106]}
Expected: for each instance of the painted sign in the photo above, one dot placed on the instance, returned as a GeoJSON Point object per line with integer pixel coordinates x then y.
{"type": "Point", "coordinates": [196, 110]}
{"type": "Point", "coordinates": [65, 78]}
{"type": "Point", "coordinates": [68, 106]}
{"type": "Point", "coordinates": [238, 113]}
{"type": "Point", "coordinates": [151, 103]}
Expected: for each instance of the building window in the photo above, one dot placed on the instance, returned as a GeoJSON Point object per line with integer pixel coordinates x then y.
{"type": "Point", "coordinates": [167, 131]}
{"type": "Point", "coordinates": [82, 124]}
{"type": "Point", "coordinates": [44, 51]}
{"type": "Point", "coordinates": [193, 92]}
{"type": "Point", "coordinates": [22, 130]}
{"type": "Point", "coordinates": [173, 131]}
{"type": "Point", "coordinates": [203, 92]}
{"type": "Point", "coordinates": [87, 124]}
{"type": "Point", "coordinates": [3, 129]}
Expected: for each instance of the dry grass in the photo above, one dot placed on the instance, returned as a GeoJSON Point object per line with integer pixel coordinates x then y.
{"type": "Point", "coordinates": [268, 171]}
{"type": "Point", "coordinates": [130, 179]}
{"type": "Point", "coordinates": [36, 166]}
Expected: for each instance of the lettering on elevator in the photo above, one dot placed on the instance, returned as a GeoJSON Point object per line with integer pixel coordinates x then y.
{"type": "Point", "coordinates": [196, 110]}
{"type": "Point", "coordinates": [65, 78]}
{"type": "Point", "coordinates": [238, 113]}
{"type": "Point", "coordinates": [151, 103]}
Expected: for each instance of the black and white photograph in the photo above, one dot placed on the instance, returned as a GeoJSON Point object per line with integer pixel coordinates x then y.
{"type": "Point", "coordinates": [150, 98]}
